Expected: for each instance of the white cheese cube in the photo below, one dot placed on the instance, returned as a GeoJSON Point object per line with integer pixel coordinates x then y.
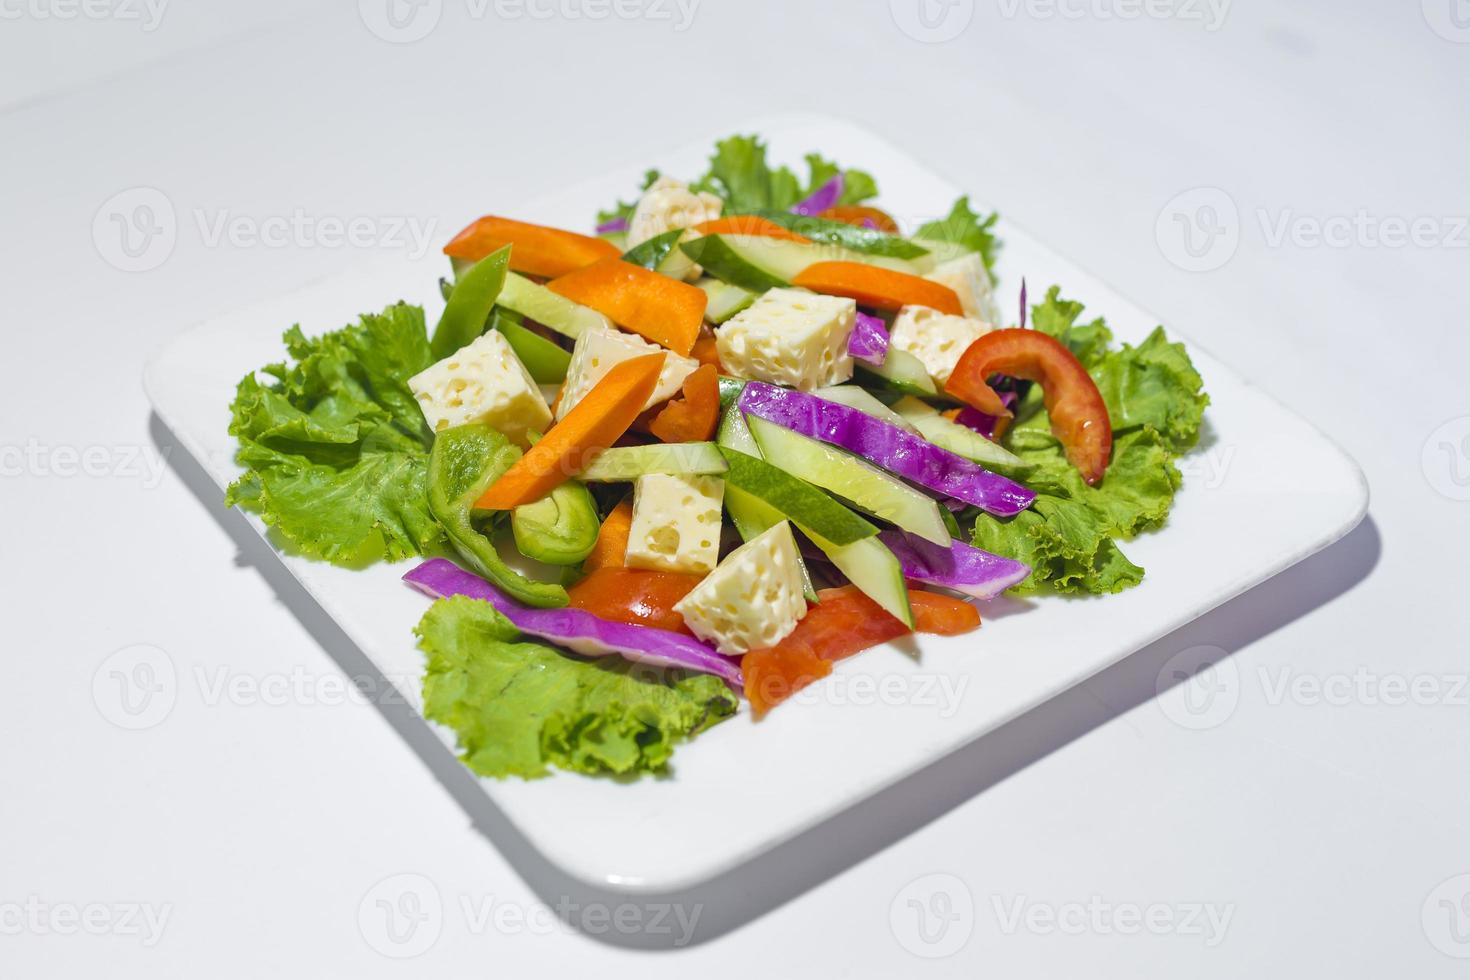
{"type": "Point", "coordinates": [753, 600]}
{"type": "Point", "coordinates": [970, 281]}
{"type": "Point", "coordinates": [676, 523]}
{"type": "Point", "coordinates": [483, 381]}
{"type": "Point", "coordinates": [669, 204]}
{"type": "Point", "coordinates": [937, 339]}
{"type": "Point", "coordinates": [597, 351]}
{"type": "Point", "coordinates": [790, 337]}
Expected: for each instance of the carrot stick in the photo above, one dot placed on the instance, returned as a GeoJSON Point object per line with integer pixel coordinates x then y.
{"type": "Point", "coordinates": [654, 306]}
{"type": "Point", "coordinates": [596, 422]}
{"type": "Point", "coordinates": [535, 249]}
{"type": "Point", "coordinates": [874, 286]}
{"type": "Point", "coordinates": [862, 216]}
{"type": "Point", "coordinates": [706, 351]}
{"type": "Point", "coordinates": [693, 417]}
{"type": "Point", "coordinates": [748, 224]}
{"type": "Point", "coordinates": [612, 539]}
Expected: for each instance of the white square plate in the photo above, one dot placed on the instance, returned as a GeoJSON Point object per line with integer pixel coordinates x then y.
{"type": "Point", "coordinates": [1263, 491]}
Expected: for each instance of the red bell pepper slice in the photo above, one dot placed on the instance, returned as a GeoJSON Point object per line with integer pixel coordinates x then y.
{"type": "Point", "coordinates": [1079, 416]}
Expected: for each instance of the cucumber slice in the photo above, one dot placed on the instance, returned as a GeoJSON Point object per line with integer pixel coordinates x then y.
{"type": "Point", "coordinates": [550, 309]}
{"type": "Point", "coordinates": [734, 433]}
{"type": "Point", "coordinates": [623, 463]}
{"type": "Point", "coordinates": [868, 487]}
{"type": "Point", "coordinates": [869, 241]}
{"type": "Point", "coordinates": [759, 262]}
{"type": "Point", "coordinates": [902, 372]}
{"type": "Point", "coordinates": [808, 507]}
{"type": "Point", "coordinates": [651, 253]}
{"type": "Point", "coordinates": [545, 360]}
{"type": "Point", "coordinates": [751, 515]}
{"type": "Point", "coordinates": [859, 398]}
{"type": "Point", "coordinates": [938, 252]}
{"type": "Point", "coordinates": [724, 299]}
{"type": "Point", "coordinates": [874, 570]}
{"type": "Point", "coordinates": [960, 439]}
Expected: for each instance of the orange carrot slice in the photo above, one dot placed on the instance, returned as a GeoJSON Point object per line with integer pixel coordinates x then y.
{"type": "Point", "coordinates": [535, 249]}
{"type": "Point", "coordinates": [858, 214]}
{"type": "Point", "coordinates": [596, 422]}
{"type": "Point", "coordinates": [748, 224]}
{"type": "Point", "coordinates": [706, 351]}
{"type": "Point", "coordinates": [612, 539]}
{"type": "Point", "coordinates": [693, 417]}
{"type": "Point", "coordinates": [873, 286]}
{"type": "Point", "coordinates": [654, 306]}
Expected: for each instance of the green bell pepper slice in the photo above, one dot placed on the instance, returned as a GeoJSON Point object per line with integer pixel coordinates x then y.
{"type": "Point", "coordinates": [469, 304]}
{"type": "Point", "coordinates": [561, 528]}
{"type": "Point", "coordinates": [465, 460]}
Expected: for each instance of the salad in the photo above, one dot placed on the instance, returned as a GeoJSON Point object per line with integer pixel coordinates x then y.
{"type": "Point", "coordinates": [745, 429]}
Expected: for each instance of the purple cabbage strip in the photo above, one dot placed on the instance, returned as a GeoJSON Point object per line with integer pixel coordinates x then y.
{"type": "Point", "coordinates": [576, 629]}
{"type": "Point", "coordinates": [869, 340]}
{"type": "Point", "coordinates": [901, 453]}
{"type": "Point", "coordinates": [984, 424]}
{"type": "Point", "coordinates": [822, 198]}
{"type": "Point", "coordinates": [1023, 302]}
{"type": "Point", "coordinates": [612, 227]}
{"type": "Point", "coordinates": [959, 567]}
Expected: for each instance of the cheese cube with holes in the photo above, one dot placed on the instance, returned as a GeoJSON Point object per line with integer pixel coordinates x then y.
{"type": "Point", "coordinates": [598, 350]}
{"type": "Point", "coordinates": [970, 281]}
{"type": "Point", "coordinates": [669, 204]}
{"type": "Point", "coordinates": [483, 381]}
{"type": "Point", "coordinates": [790, 337]}
{"type": "Point", "coordinates": [753, 600]}
{"type": "Point", "coordinates": [937, 339]}
{"type": "Point", "coordinates": [676, 523]}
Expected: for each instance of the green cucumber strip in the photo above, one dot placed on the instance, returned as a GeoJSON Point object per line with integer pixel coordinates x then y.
{"type": "Point", "coordinates": [939, 252]}
{"type": "Point", "coordinates": [650, 254]}
{"type": "Point", "coordinates": [734, 433]}
{"type": "Point", "coordinates": [623, 463]}
{"type": "Point", "coordinates": [751, 268]}
{"type": "Point", "coordinates": [874, 569]}
{"type": "Point", "coordinates": [723, 299]}
{"type": "Point", "coordinates": [753, 517]}
{"type": "Point", "coordinates": [901, 372]}
{"type": "Point", "coordinates": [798, 500]}
{"type": "Point", "coordinates": [850, 478]}
{"type": "Point", "coordinates": [869, 241]}
{"type": "Point", "coordinates": [546, 361]}
{"type": "Point", "coordinates": [960, 439]}
{"type": "Point", "coordinates": [536, 302]}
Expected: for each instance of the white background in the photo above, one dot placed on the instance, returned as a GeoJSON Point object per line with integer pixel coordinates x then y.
{"type": "Point", "coordinates": [1325, 829]}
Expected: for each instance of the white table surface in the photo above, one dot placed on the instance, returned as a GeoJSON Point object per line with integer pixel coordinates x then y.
{"type": "Point", "coordinates": [1308, 820]}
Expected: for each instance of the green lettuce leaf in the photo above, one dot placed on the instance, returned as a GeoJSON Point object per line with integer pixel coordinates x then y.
{"type": "Point", "coordinates": [1156, 405]}
{"type": "Point", "coordinates": [739, 174]}
{"type": "Point", "coordinates": [964, 227]}
{"type": "Point", "coordinates": [520, 708]}
{"type": "Point", "coordinates": [335, 448]}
